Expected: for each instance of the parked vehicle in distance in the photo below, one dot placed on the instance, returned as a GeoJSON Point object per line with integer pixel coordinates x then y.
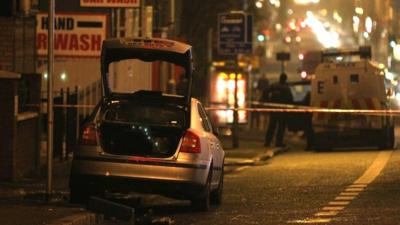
{"type": "Point", "coordinates": [143, 137]}
{"type": "Point", "coordinates": [301, 97]}
{"type": "Point", "coordinates": [349, 79]}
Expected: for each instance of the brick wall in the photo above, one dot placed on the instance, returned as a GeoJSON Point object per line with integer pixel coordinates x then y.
{"type": "Point", "coordinates": [26, 151]}
{"type": "Point", "coordinates": [8, 88]}
{"type": "Point", "coordinates": [17, 45]}
{"type": "Point", "coordinates": [19, 133]}
{"type": "Point", "coordinates": [7, 44]}
{"type": "Point", "coordinates": [25, 48]}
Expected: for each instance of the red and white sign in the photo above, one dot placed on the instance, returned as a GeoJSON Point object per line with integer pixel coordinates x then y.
{"type": "Point", "coordinates": [74, 34]}
{"type": "Point", "coordinates": [110, 3]}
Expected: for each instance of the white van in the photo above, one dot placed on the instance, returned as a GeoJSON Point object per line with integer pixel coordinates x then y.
{"type": "Point", "coordinates": [350, 80]}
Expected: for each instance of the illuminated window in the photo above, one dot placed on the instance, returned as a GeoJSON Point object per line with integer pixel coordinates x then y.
{"type": "Point", "coordinates": [63, 76]}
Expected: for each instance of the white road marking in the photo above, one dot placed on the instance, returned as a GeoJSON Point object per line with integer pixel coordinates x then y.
{"type": "Point", "coordinates": [375, 169]}
{"type": "Point", "coordinates": [313, 220]}
{"type": "Point", "coordinates": [327, 213]}
{"type": "Point", "coordinates": [351, 192]}
{"type": "Point", "coordinates": [339, 203]}
{"type": "Point", "coordinates": [341, 198]}
{"type": "Point", "coordinates": [354, 189]}
{"type": "Point", "coordinates": [357, 186]}
{"type": "Point", "coordinates": [330, 208]}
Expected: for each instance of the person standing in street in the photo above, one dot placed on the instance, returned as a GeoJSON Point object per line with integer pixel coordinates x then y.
{"type": "Point", "coordinates": [278, 93]}
{"type": "Point", "coordinates": [263, 86]}
{"type": "Point", "coordinates": [258, 118]}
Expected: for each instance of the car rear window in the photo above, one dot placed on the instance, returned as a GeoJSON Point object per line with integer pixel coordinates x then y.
{"type": "Point", "coordinates": [139, 112]}
{"type": "Point", "coordinates": [132, 75]}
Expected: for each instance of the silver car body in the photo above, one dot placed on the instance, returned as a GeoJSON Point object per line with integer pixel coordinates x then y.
{"type": "Point", "coordinates": [91, 166]}
{"type": "Point", "coordinates": [180, 174]}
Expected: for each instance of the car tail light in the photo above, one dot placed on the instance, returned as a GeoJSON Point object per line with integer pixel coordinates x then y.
{"type": "Point", "coordinates": [89, 134]}
{"type": "Point", "coordinates": [190, 143]}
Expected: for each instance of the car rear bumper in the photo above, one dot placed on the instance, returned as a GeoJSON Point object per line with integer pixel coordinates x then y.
{"type": "Point", "coordinates": [178, 180]}
{"type": "Point", "coordinates": [175, 189]}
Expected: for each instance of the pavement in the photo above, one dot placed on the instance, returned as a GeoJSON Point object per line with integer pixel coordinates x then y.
{"type": "Point", "coordinates": [250, 151]}
{"type": "Point", "coordinates": [25, 203]}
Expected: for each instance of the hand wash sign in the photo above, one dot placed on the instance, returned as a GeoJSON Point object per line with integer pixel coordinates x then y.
{"type": "Point", "coordinates": [76, 35]}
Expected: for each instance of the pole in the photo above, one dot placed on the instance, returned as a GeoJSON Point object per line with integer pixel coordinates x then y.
{"type": "Point", "coordinates": [245, 5]}
{"type": "Point", "coordinates": [118, 22]}
{"type": "Point", "coordinates": [50, 115]}
{"type": "Point", "coordinates": [235, 138]}
{"type": "Point", "coordinates": [143, 17]}
{"type": "Point", "coordinates": [113, 33]}
{"type": "Point", "coordinates": [172, 18]}
{"type": "Point", "coordinates": [209, 62]}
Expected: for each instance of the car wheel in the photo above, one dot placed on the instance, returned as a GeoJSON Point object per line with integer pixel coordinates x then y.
{"type": "Point", "coordinates": [78, 195]}
{"type": "Point", "coordinates": [393, 143]}
{"type": "Point", "coordinates": [216, 195]}
{"type": "Point", "coordinates": [202, 203]}
{"type": "Point", "coordinates": [391, 138]}
{"type": "Point", "coordinates": [388, 139]}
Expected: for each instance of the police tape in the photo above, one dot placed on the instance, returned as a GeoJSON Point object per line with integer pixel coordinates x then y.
{"type": "Point", "coordinates": [271, 107]}
{"type": "Point", "coordinates": [63, 106]}
{"type": "Point", "coordinates": [310, 110]}
{"type": "Point", "coordinates": [73, 106]}
{"type": "Point", "coordinates": [290, 108]}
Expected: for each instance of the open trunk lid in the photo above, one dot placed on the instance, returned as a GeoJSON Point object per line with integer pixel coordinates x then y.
{"type": "Point", "coordinates": [134, 64]}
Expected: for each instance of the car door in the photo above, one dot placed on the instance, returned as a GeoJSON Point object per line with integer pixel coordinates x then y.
{"type": "Point", "coordinates": [214, 143]}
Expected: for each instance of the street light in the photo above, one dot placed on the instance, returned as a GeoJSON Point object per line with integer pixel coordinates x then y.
{"type": "Point", "coordinates": [368, 24]}
{"type": "Point", "coordinates": [356, 23]}
{"type": "Point", "coordinates": [63, 76]}
{"type": "Point", "coordinates": [275, 3]}
{"type": "Point", "coordinates": [396, 52]}
{"type": "Point", "coordinates": [260, 37]}
{"type": "Point", "coordinates": [305, 2]}
{"type": "Point", "coordinates": [259, 4]}
{"type": "Point", "coordinates": [359, 10]}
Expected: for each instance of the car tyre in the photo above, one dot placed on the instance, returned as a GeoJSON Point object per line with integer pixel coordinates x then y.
{"type": "Point", "coordinates": [392, 138]}
{"type": "Point", "coordinates": [388, 139]}
{"type": "Point", "coordinates": [216, 195]}
{"type": "Point", "coordinates": [79, 196]}
{"type": "Point", "coordinates": [202, 203]}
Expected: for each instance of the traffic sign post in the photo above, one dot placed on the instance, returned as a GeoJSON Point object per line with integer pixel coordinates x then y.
{"type": "Point", "coordinates": [50, 115]}
{"type": "Point", "coordinates": [235, 37]}
{"type": "Point", "coordinates": [234, 33]}
{"type": "Point", "coordinates": [283, 57]}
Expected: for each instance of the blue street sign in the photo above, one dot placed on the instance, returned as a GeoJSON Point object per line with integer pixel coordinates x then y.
{"type": "Point", "coordinates": [234, 33]}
